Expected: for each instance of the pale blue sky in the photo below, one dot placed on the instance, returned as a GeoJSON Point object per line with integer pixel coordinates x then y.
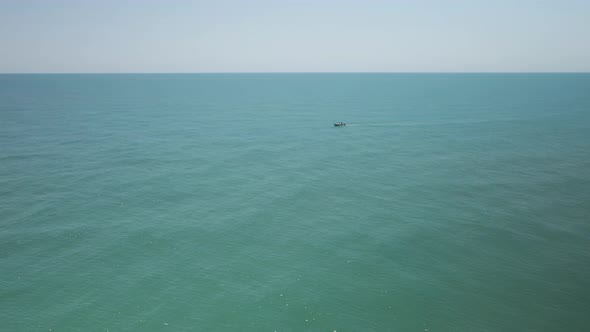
{"type": "Point", "coordinates": [294, 36]}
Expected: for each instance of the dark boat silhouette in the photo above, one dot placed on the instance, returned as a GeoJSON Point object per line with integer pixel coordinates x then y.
{"type": "Point", "coordinates": [339, 124]}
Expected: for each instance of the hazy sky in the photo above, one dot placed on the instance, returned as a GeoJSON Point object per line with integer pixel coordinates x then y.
{"type": "Point", "coordinates": [294, 35]}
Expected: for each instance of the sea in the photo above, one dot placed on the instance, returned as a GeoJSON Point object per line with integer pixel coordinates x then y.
{"type": "Point", "coordinates": [230, 202]}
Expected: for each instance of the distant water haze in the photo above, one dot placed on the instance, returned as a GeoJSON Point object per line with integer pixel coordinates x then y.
{"type": "Point", "coordinates": [294, 36]}
{"type": "Point", "coordinates": [452, 202]}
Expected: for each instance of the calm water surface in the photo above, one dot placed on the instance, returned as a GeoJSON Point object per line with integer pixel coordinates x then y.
{"type": "Point", "coordinates": [457, 202]}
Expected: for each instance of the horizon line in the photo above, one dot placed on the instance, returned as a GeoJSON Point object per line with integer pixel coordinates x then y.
{"type": "Point", "coordinates": [295, 72]}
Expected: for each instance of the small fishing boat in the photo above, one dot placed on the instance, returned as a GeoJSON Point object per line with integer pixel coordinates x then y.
{"type": "Point", "coordinates": [339, 124]}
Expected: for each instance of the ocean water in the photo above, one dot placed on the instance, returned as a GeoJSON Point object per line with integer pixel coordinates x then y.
{"type": "Point", "coordinates": [218, 202]}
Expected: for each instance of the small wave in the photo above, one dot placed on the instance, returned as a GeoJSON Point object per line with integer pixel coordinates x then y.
{"type": "Point", "coordinates": [422, 124]}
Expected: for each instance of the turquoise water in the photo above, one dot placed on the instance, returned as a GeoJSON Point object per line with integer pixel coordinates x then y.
{"type": "Point", "coordinates": [451, 202]}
